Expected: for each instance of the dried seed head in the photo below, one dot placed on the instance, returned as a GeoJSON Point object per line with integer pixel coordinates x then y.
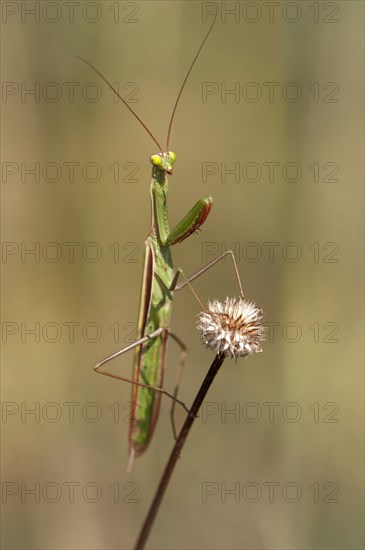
{"type": "Point", "coordinates": [232, 328]}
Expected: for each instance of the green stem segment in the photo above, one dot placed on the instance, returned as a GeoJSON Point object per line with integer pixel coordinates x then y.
{"type": "Point", "coordinates": [175, 454]}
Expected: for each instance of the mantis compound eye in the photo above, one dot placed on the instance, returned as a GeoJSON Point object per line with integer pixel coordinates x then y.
{"type": "Point", "coordinates": [157, 161]}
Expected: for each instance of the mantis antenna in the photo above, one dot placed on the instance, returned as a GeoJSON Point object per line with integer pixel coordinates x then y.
{"type": "Point", "coordinates": [120, 97]}
{"type": "Point", "coordinates": [185, 80]}
{"type": "Point", "coordinates": [176, 102]}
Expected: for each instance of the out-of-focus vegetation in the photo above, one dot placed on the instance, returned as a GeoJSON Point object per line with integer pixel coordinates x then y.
{"type": "Point", "coordinates": [270, 125]}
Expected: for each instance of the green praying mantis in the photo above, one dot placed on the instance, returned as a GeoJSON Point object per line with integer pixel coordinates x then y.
{"type": "Point", "coordinates": [160, 281]}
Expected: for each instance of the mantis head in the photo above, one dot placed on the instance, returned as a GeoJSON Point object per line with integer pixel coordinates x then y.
{"type": "Point", "coordinates": [164, 161]}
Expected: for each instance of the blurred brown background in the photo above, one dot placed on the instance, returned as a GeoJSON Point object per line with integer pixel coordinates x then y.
{"type": "Point", "coordinates": [292, 452]}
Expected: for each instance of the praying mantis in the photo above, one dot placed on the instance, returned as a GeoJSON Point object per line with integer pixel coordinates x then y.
{"type": "Point", "coordinates": [160, 281]}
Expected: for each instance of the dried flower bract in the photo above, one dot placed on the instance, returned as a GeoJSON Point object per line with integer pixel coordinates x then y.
{"type": "Point", "coordinates": [232, 328]}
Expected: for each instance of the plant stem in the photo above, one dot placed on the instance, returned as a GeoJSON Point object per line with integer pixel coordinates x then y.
{"type": "Point", "coordinates": [175, 454]}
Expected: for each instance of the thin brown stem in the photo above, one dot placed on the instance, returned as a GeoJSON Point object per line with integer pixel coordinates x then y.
{"type": "Point", "coordinates": [175, 454]}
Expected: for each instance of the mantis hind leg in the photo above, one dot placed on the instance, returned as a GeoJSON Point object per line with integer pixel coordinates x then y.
{"type": "Point", "coordinates": [183, 354]}
{"type": "Point", "coordinates": [99, 366]}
